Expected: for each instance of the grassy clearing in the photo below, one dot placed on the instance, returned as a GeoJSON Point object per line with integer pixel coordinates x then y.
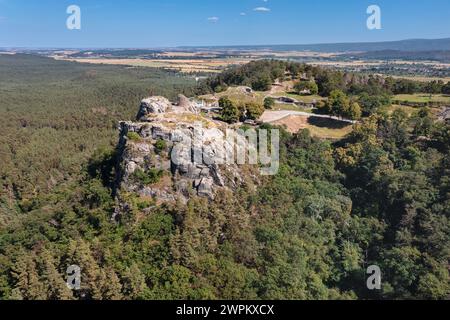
{"type": "Point", "coordinates": [422, 98]}
{"type": "Point", "coordinates": [304, 98]}
{"type": "Point", "coordinates": [238, 94]}
{"type": "Point", "coordinates": [409, 110]}
{"type": "Point", "coordinates": [319, 127]}
{"type": "Point", "coordinates": [329, 133]}
{"type": "Point", "coordinates": [290, 107]}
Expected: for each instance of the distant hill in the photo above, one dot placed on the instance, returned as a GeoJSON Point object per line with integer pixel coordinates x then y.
{"type": "Point", "coordinates": [402, 45]}
{"type": "Point", "coordinates": [442, 56]}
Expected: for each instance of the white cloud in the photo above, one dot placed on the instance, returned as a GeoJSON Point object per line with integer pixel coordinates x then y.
{"type": "Point", "coordinates": [262, 9]}
{"type": "Point", "coordinates": [243, 14]}
{"type": "Point", "coordinates": [213, 19]}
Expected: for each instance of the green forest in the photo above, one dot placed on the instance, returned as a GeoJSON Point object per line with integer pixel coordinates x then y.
{"type": "Point", "coordinates": [381, 196]}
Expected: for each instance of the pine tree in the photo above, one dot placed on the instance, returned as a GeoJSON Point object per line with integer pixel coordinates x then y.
{"type": "Point", "coordinates": [80, 254]}
{"type": "Point", "coordinates": [112, 288]}
{"type": "Point", "coordinates": [28, 282]}
{"type": "Point", "coordinates": [56, 286]}
{"type": "Point", "coordinates": [134, 282]}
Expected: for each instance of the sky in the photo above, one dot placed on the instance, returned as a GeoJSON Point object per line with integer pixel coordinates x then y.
{"type": "Point", "coordinates": [170, 23]}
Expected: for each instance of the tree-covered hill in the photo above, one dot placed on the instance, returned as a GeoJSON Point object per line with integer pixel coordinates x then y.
{"type": "Point", "coordinates": [379, 197]}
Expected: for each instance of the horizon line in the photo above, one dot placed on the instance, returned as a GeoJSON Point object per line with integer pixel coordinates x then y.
{"type": "Point", "coordinates": [218, 46]}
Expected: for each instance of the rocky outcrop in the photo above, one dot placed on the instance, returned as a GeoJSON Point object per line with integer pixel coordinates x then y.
{"type": "Point", "coordinates": [444, 115]}
{"type": "Point", "coordinates": [187, 105]}
{"type": "Point", "coordinates": [161, 159]}
{"type": "Point", "coordinates": [153, 105]}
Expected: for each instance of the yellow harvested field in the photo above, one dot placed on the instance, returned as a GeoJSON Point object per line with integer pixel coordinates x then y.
{"type": "Point", "coordinates": [422, 78]}
{"type": "Point", "coordinates": [182, 65]}
{"type": "Point", "coordinates": [363, 63]}
{"type": "Point", "coordinates": [356, 63]}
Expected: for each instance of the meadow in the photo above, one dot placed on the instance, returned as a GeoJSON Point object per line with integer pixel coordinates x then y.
{"type": "Point", "coordinates": [423, 98]}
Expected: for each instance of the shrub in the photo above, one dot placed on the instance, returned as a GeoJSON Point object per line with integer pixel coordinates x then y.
{"type": "Point", "coordinates": [133, 136]}
{"type": "Point", "coordinates": [309, 86]}
{"type": "Point", "coordinates": [446, 88]}
{"type": "Point", "coordinates": [262, 83]}
{"type": "Point", "coordinates": [160, 146]}
{"type": "Point", "coordinates": [143, 204]}
{"type": "Point", "coordinates": [230, 112]}
{"type": "Point", "coordinates": [269, 103]}
{"type": "Point", "coordinates": [254, 110]}
{"type": "Point", "coordinates": [151, 176]}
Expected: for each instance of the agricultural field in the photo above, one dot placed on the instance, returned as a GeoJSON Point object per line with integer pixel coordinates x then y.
{"type": "Point", "coordinates": [187, 65]}
{"type": "Point", "coordinates": [422, 78]}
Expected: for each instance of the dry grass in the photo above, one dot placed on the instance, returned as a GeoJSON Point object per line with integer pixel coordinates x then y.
{"type": "Point", "coordinates": [409, 110]}
{"type": "Point", "coordinates": [321, 128]}
{"type": "Point", "coordinates": [304, 98]}
{"type": "Point", "coordinates": [237, 94]}
{"type": "Point", "coordinates": [182, 65]}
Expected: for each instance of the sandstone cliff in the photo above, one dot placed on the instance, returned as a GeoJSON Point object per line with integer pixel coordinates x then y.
{"type": "Point", "coordinates": [158, 156]}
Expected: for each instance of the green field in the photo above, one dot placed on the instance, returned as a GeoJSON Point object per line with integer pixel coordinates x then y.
{"type": "Point", "coordinates": [422, 98]}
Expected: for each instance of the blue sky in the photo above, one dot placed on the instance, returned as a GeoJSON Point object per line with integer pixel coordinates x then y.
{"type": "Point", "coordinates": [162, 23]}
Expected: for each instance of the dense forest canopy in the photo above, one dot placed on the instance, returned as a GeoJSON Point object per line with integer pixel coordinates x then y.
{"type": "Point", "coordinates": [381, 196]}
{"type": "Point", "coordinates": [55, 114]}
